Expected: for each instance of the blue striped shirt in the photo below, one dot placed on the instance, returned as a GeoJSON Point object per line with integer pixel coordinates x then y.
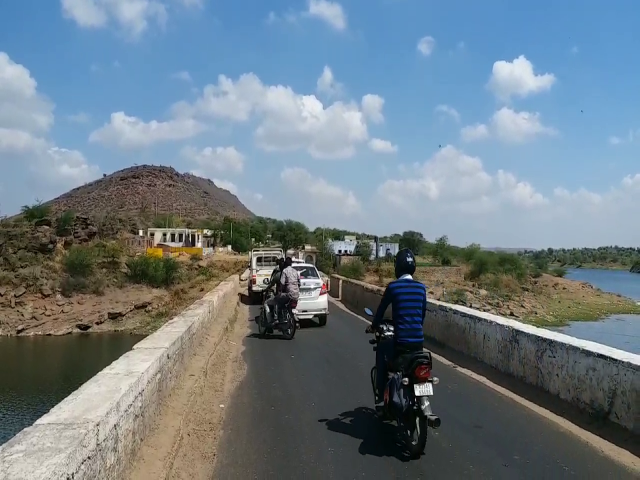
{"type": "Point", "coordinates": [408, 300]}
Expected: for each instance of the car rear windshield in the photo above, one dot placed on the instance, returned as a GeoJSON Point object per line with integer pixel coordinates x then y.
{"type": "Point", "coordinates": [266, 261]}
{"type": "Point", "coordinates": [306, 271]}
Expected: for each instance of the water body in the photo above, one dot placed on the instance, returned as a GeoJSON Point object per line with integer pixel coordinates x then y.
{"type": "Point", "coordinates": [37, 373]}
{"type": "Point", "coordinates": [618, 331]}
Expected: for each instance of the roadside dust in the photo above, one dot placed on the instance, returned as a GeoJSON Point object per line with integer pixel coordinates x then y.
{"type": "Point", "coordinates": [183, 441]}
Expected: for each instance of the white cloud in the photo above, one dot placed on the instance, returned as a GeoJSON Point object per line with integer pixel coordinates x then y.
{"type": "Point", "coordinates": [226, 184]}
{"type": "Point", "coordinates": [219, 159]}
{"type": "Point", "coordinates": [22, 106]}
{"type": "Point", "coordinates": [454, 192]}
{"type": "Point", "coordinates": [454, 182]}
{"type": "Point", "coordinates": [329, 12]}
{"type": "Point", "coordinates": [127, 132]}
{"type": "Point", "coordinates": [426, 45]}
{"type": "Point", "coordinates": [327, 84]}
{"type": "Point", "coordinates": [287, 121]}
{"type": "Point", "coordinates": [382, 146]}
{"type": "Point", "coordinates": [315, 194]}
{"type": "Point", "coordinates": [26, 116]}
{"type": "Point", "coordinates": [631, 136]}
{"type": "Point", "coordinates": [472, 133]}
{"type": "Point", "coordinates": [80, 117]}
{"type": "Point", "coordinates": [69, 168]}
{"type": "Point", "coordinates": [372, 108]}
{"type": "Point", "coordinates": [182, 75]}
{"type": "Point", "coordinates": [517, 79]}
{"type": "Point", "coordinates": [132, 16]}
{"type": "Point", "coordinates": [192, 3]}
{"type": "Point", "coordinates": [447, 110]}
{"type": "Point", "coordinates": [508, 126]}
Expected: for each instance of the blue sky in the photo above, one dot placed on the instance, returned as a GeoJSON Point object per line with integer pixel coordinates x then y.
{"type": "Point", "coordinates": [503, 123]}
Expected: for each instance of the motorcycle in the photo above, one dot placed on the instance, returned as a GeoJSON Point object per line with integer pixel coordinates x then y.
{"type": "Point", "coordinates": [406, 395]}
{"type": "Point", "coordinates": [285, 322]}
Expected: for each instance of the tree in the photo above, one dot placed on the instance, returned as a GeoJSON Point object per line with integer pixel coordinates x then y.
{"type": "Point", "coordinates": [291, 234]}
{"type": "Point", "coordinates": [167, 221]}
{"type": "Point", "coordinates": [326, 258]}
{"type": "Point", "coordinates": [412, 240]}
{"type": "Point", "coordinates": [363, 251]}
{"type": "Point", "coordinates": [443, 250]}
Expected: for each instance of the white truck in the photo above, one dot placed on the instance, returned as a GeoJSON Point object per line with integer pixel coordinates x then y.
{"type": "Point", "coordinates": [262, 262]}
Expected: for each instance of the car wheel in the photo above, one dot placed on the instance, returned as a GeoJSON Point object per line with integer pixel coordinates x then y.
{"type": "Point", "coordinates": [322, 320]}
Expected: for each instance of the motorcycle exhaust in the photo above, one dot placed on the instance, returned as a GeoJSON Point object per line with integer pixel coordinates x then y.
{"type": "Point", "coordinates": [433, 421]}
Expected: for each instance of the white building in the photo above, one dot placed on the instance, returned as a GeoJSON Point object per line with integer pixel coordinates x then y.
{"type": "Point", "coordinates": [183, 237]}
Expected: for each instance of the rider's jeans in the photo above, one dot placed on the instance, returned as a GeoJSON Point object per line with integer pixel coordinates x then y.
{"type": "Point", "coordinates": [384, 354]}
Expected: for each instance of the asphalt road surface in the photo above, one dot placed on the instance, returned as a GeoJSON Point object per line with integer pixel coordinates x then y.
{"type": "Point", "coordinates": [304, 412]}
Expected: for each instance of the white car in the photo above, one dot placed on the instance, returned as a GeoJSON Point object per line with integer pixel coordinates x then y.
{"type": "Point", "coordinates": [313, 301]}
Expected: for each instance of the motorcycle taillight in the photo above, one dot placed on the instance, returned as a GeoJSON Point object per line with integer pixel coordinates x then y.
{"type": "Point", "coordinates": [422, 373]}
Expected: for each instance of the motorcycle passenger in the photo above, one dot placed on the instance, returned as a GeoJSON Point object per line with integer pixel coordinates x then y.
{"type": "Point", "coordinates": [274, 282]}
{"type": "Point", "coordinates": [408, 299]}
{"type": "Point", "coordinates": [289, 284]}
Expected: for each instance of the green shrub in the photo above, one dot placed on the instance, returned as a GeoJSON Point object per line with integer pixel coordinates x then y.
{"type": "Point", "coordinates": [64, 223]}
{"type": "Point", "coordinates": [79, 262]}
{"type": "Point", "coordinates": [559, 272]}
{"type": "Point", "coordinates": [152, 271]}
{"type": "Point", "coordinates": [354, 269]}
{"type": "Point", "coordinates": [458, 296]}
{"type": "Point", "coordinates": [480, 265]}
{"type": "Point", "coordinates": [34, 212]}
{"type": "Point", "coordinates": [501, 263]}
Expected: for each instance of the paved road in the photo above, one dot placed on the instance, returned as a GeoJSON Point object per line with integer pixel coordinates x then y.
{"type": "Point", "coordinates": [303, 412]}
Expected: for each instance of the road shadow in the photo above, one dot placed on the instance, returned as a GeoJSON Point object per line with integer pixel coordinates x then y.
{"type": "Point", "coordinates": [603, 428]}
{"type": "Point", "coordinates": [244, 299]}
{"type": "Point", "coordinates": [269, 336]}
{"type": "Point", "coordinates": [309, 323]}
{"type": "Point", "coordinates": [377, 438]}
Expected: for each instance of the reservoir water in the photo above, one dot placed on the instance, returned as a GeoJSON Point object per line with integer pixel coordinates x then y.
{"type": "Point", "coordinates": [36, 373]}
{"type": "Point", "coordinates": [618, 331]}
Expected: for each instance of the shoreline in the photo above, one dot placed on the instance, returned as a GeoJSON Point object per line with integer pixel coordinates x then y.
{"type": "Point", "coordinates": [546, 301]}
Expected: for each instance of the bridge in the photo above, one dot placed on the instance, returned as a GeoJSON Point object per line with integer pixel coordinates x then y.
{"type": "Point", "coordinates": [515, 402]}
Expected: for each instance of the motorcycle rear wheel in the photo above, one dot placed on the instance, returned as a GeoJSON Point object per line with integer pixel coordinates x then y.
{"type": "Point", "coordinates": [262, 325]}
{"type": "Point", "coordinates": [289, 329]}
{"type": "Point", "coordinates": [416, 431]}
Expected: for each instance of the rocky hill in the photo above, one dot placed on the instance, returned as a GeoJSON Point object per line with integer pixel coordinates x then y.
{"type": "Point", "coordinates": [147, 190]}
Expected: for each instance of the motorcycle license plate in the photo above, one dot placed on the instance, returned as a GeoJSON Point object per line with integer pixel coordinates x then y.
{"type": "Point", "coordinates": [423, 389]}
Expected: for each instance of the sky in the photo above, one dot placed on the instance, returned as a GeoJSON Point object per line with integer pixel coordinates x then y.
{"type": "Point", "coordinates": [504, 123]}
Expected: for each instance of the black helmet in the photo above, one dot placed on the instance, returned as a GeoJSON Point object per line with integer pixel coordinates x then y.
{"type": "Point", "coordinates": [405, 263]}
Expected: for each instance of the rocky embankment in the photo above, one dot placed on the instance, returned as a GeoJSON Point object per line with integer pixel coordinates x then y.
{"type": "Point", "coordinates": [49, 313]}
{"type": "Point", "coordinates": [635, 268]}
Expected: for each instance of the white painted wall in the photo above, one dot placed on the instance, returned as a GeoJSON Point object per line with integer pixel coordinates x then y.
{"type": "Point", "coordinates": [591, 376]}
{"type": "Point", "coordinates": [95, 431]}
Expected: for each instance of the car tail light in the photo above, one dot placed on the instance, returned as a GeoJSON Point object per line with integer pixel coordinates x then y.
{"type": "Point", "coordinates": [253, 280]}
{"type": "Point", "coordinates": [422, 373]}
{"type": "Point", "coordinates": [324, 290]}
